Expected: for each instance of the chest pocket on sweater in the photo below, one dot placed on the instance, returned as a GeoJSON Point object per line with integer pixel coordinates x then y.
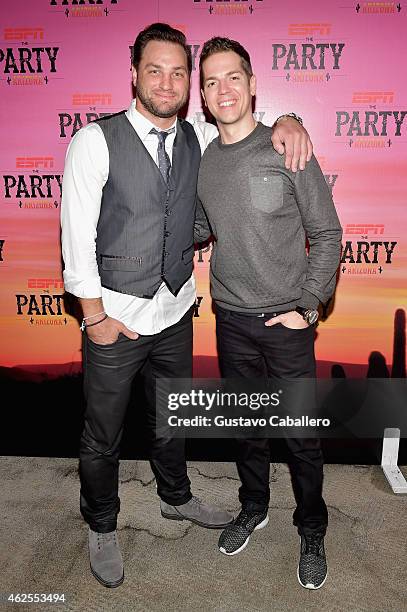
{"type": "Point", "coordinates": [266, 192]}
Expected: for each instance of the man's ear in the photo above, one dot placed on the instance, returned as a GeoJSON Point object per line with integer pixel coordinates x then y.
{"type": "Point", "coordinates": [203, 95]}
{"type": "Point", "coordinates": [253, 85]}
{"type": "Point", "coordinates": [134, 75]}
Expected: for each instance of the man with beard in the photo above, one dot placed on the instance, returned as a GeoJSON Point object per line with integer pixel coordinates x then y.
{"type": "Point", "coordinates": [128, 212]}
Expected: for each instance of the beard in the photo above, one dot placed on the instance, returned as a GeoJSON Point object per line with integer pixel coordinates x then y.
{"type": "Point", "coordinates": [155, 110]}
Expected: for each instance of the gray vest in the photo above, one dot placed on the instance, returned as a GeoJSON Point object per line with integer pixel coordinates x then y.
{"type": "Point", "coordinates": [145, 228]}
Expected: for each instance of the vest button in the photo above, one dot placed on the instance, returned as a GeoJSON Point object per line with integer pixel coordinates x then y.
{"type": "Point", "coordinates": [166, 234]}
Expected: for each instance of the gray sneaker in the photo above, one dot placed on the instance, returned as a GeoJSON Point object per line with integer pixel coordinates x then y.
{"type": "Point", "coordinates": [197, 512]}
{"type": "Point", "coordinates": [312, 568]}
{"type": "Point", "coordinates": [106, 561]}
{"type": "Point", "coordinates": [236, 536]}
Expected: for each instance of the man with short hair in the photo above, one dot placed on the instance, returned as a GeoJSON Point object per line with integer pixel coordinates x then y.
{"type": "Point", "coordinates": [128, 211]}
{"type": "Point", "coordinates": [265, 287]}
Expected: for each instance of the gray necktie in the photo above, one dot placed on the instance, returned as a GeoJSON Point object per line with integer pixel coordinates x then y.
{"type": "Point", "coordinates": [164, 163]}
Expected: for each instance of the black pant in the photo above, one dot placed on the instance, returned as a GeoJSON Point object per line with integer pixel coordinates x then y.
{"type": "Point", "coordinates": [249, 349]}
{"type": "Point", "coordinates": [108, 375]}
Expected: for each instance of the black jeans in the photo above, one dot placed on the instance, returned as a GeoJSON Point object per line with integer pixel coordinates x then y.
{"type": "Point", "coordinates": [108, 375]}
{"type": "Point", "coordinates": [249, 349]}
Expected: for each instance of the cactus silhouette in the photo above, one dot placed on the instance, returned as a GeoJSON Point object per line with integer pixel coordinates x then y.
{"type": "Point", "coordinates": [399, 345]}
{"type": "Point", "coordinates": [338, 371]}
{"type": "Point", "coordinates": [377, 366]}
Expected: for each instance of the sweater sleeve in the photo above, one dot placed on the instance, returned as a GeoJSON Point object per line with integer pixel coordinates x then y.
{"type": "Point", "coordinates": [202, 229]}
{"type": "Point", "coordinates": [323, 231]}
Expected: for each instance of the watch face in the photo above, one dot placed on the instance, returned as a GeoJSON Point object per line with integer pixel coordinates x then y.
{"type": "Point", "coordinates": [312, 316]}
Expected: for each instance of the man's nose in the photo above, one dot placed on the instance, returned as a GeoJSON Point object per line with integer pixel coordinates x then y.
{"type": "Point", "coordinates": [223, 86]}
{"type": "Point", "coordinates": [166, 82]}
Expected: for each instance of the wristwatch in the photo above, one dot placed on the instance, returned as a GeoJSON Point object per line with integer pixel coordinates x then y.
{"type": "Point", "coordinates": [293, 115]}
{"type": "Point", "coordinates": [308, 314]}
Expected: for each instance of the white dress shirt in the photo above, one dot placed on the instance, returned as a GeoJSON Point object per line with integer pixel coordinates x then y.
{"type": "Point", "coordinates": [86, 172]}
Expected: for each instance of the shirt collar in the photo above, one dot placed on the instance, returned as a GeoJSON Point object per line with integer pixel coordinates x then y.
{"type": "Point", "coordinates": [141, 124]}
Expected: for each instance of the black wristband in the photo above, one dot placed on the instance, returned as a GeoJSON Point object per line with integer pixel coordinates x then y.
{"type": "Point", "coordinates": [97, 322]}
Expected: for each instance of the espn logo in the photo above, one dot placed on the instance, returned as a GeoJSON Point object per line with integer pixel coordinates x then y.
{"type": "Point", "coordinates": [364, 228]}
{"type": "Point", "coordinates": [372, 97]}
{"type": "Point", "coordinates": [31, 163]}
{"type": "Point", "coordinates": [91, 99]}
{"type": "Point", "coordinates": [309, 29]}
{"type": "Point", "coordinates": [45, 283]}
{"type": "Point", "coordinates": [23, 33]}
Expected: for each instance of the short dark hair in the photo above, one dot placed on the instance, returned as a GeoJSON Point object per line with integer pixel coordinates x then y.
{"type": "Point", "coordinates": [162, 32]}
{"type": "Point", "coordinates": [217, 44]}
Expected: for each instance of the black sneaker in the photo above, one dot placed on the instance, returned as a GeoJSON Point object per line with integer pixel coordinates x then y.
{"type": "Point", "coordinates": [236, 536]}
{"type": "Point", "coordinates": [312, 569]}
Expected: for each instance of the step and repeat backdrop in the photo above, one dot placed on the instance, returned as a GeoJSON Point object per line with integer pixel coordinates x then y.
{"type": "Point", "coordinates": [339, 65]}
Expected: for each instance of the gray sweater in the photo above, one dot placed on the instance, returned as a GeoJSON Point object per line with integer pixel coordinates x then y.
{"type": "Point", "coordinates": [261, 215]}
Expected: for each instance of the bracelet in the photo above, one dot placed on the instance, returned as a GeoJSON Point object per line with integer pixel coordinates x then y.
{"type": "Point", "coordinates": [83, 326]}
{"type": "Point", "coordinates": [293, 115]}
{"type": "Point", "coordinates": [93, 316]}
